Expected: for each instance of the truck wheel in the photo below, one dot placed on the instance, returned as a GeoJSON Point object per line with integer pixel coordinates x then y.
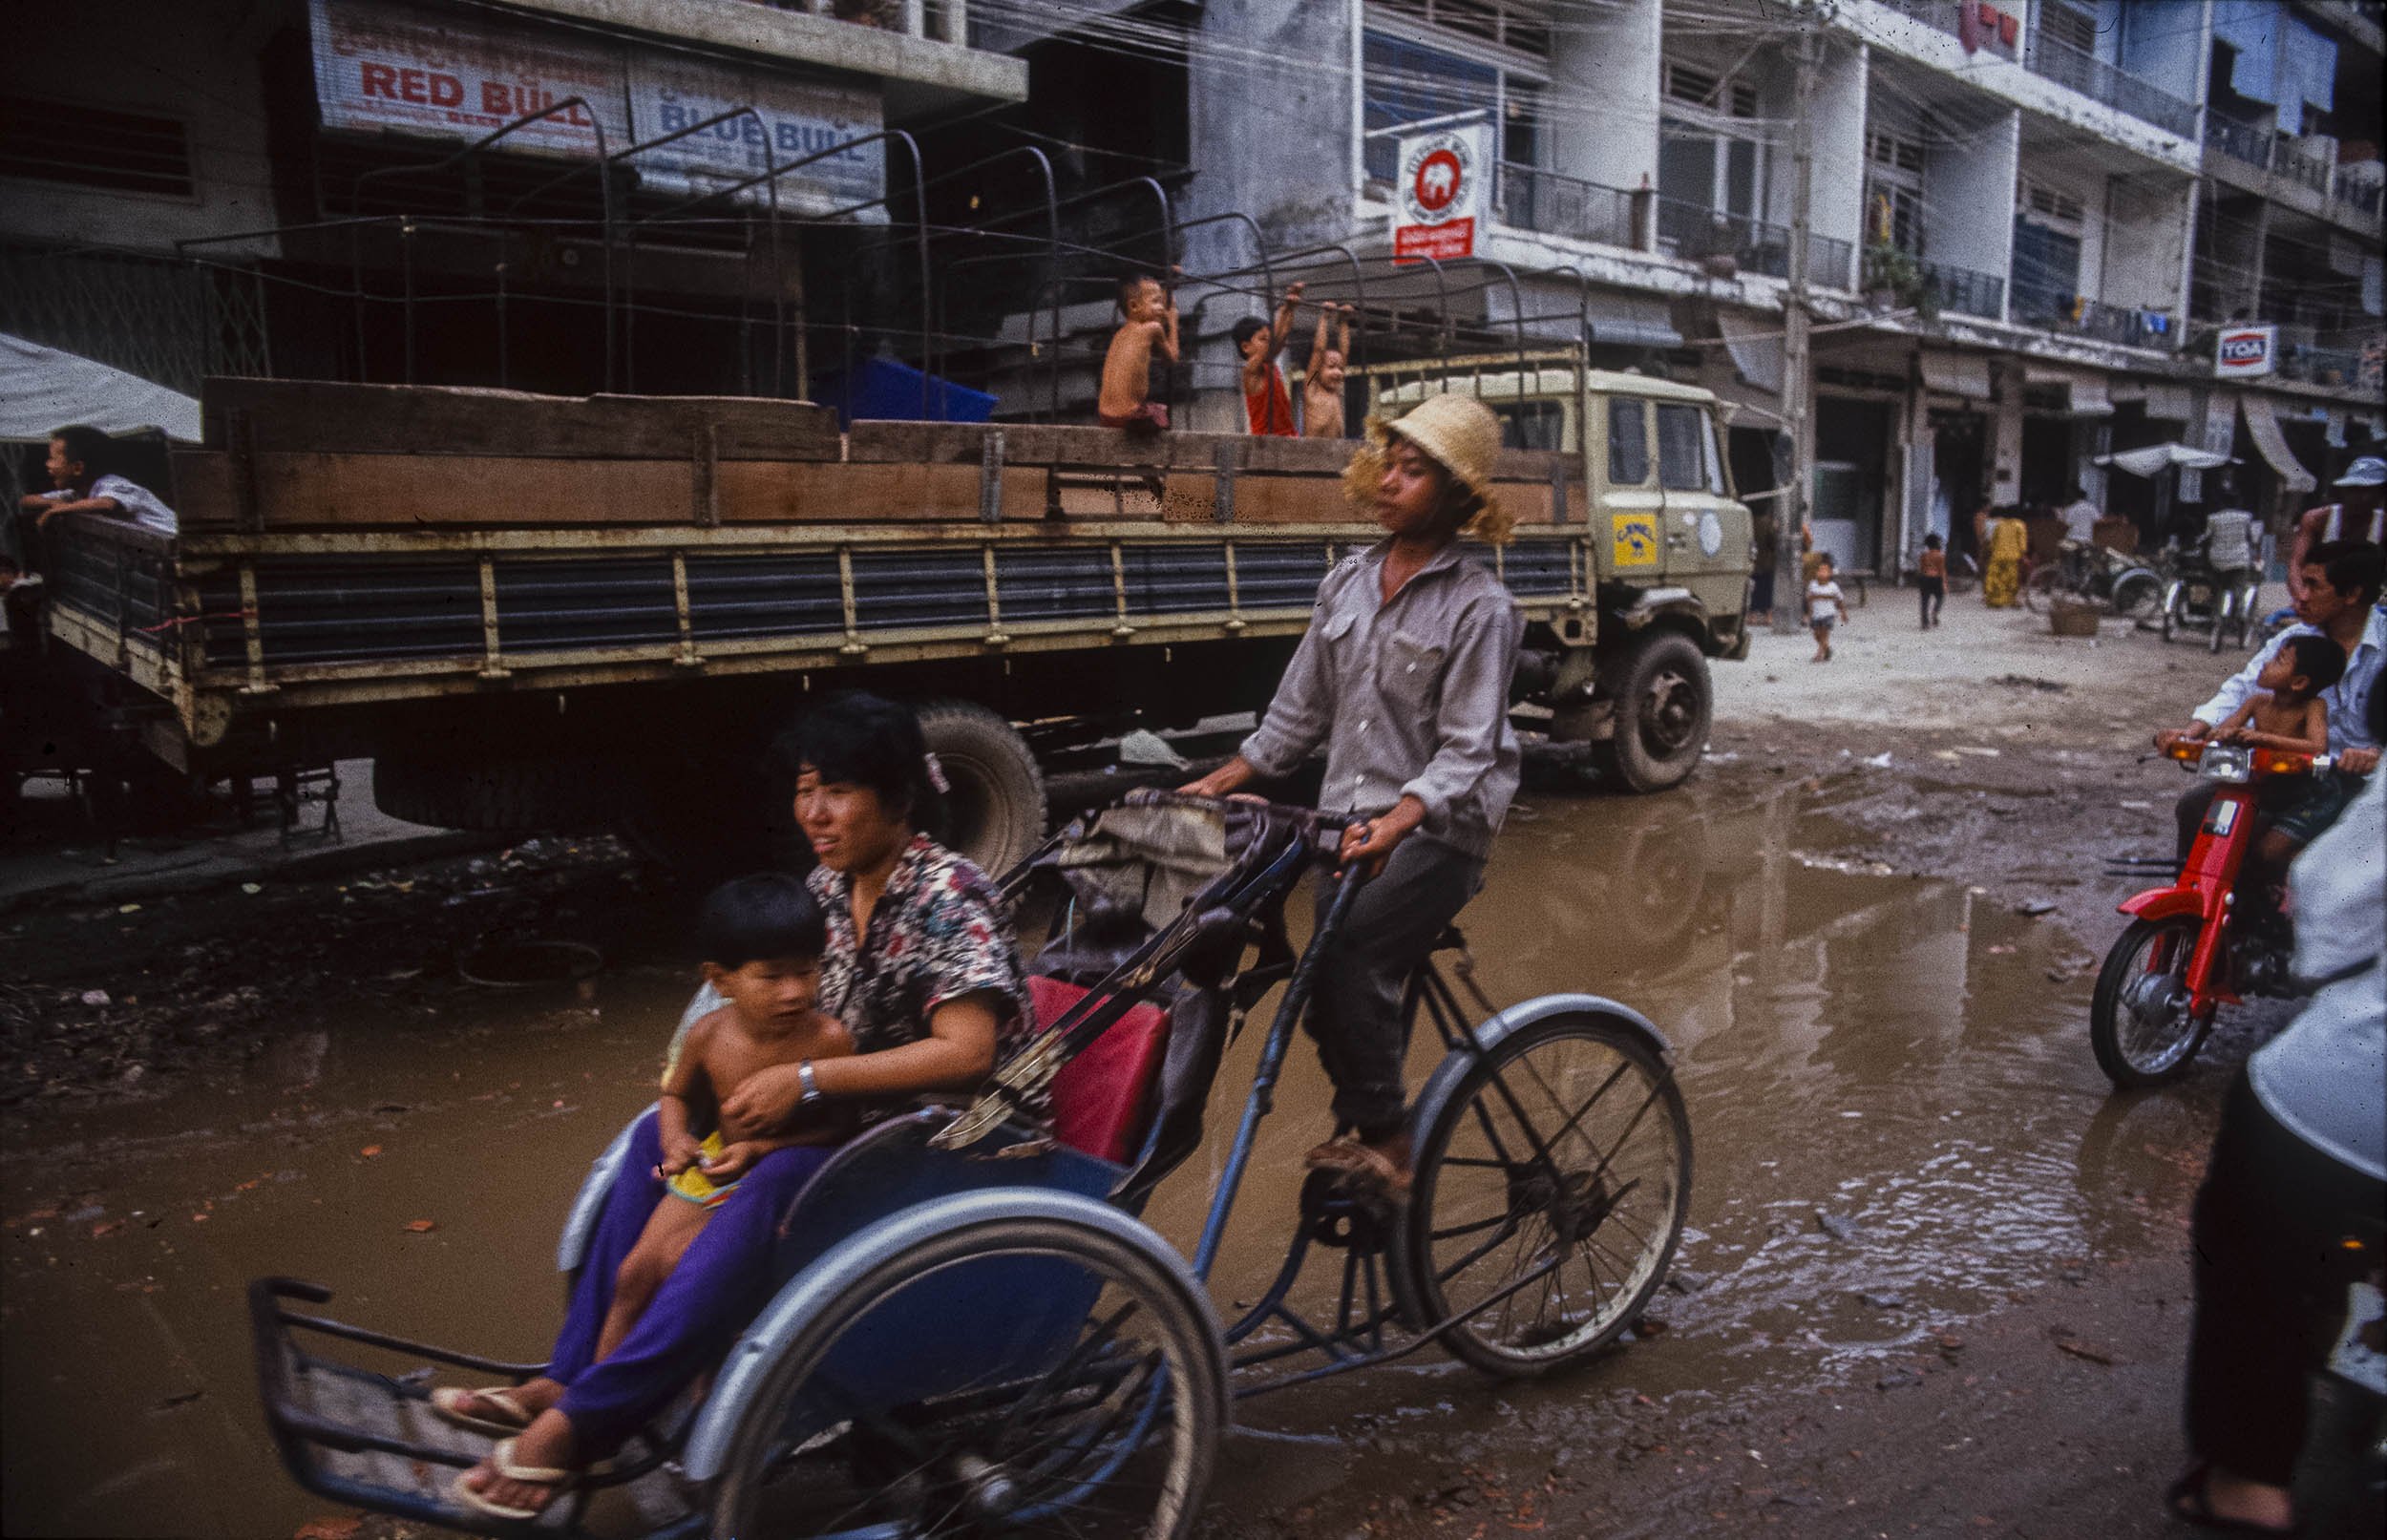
{"type": "Point", "coordinates": [564, 792]}
{"type": "Point", "coordinates": [995, 807]}
{"type": "Point", "coordinates": [1665, 705]}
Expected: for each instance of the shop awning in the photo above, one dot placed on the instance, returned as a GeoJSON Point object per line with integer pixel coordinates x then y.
{"type": "Point", "coordinates": [1964, 374]}
{"type": "Point", "coordinates": [2084, 391]}
{"type": "Point", "coordinates": [2170, 402]}
{"type": "Point", "coordinates": [42, 388]}
{"type": "Point", "coordinates": [2264, 427]}
{"type": "Point", "coordinates": [1750, 406]}
{"type": "Point", "coordinates": [2156, 458]}
{"type": "Point", "coordinates": [1756, 350]}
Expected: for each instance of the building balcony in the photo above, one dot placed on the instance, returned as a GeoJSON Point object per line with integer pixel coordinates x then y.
{"type": "Point", "coordinates": [2093, 77]}
{"type": "Point", "coordinates": [2123, 326]}
{"type": "Point", "coordinates": [1961, 291]}
{"type": "Point", "coordinates": [2360, 194]}
{"type": "Point", "coordinates": [1528, 197]}
{"type": "Point", "coordinates": [1696, 233]}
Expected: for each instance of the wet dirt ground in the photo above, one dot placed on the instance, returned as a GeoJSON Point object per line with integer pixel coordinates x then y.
{"type": "Point", "coordinates": [1932, 1283]}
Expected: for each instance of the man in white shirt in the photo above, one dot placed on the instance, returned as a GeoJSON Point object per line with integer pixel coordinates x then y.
{"type": "Point", "coordinates": [2080, 517]}
{"type": "Point", "coordinates": [2340, 601]}
{"type": "Point", "coordinates": [77, 455]}
{"type": "Point", "coordinates": [2356, 516]}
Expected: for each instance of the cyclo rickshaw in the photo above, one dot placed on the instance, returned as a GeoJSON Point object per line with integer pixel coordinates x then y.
{"type": "Point", "coordinates": [974, 1332]}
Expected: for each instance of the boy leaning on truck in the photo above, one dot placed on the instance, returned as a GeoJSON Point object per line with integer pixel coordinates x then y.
{"type": "Point", "coordinates": [78, 471]}
{"type": "Point", "coordinates": [1151, 327]}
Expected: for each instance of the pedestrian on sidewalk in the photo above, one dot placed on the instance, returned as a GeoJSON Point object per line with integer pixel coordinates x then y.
{"type": "Point", "coordinates": [1931, 586]}
{"type": "Point", "coordinates": [2003, 534]}
{"type": "Point", "coordinates": [1826, 609]}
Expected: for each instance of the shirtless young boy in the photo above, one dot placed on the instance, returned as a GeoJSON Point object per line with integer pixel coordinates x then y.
{"type": "Point", "coordinates": [1321, 384]}
{"type": "Point", "coordinates": [2286, 711]}
{"type": "Point", "coordinates": [762, 938]}
{"type": "Point", "coordinates": [1127, 388]}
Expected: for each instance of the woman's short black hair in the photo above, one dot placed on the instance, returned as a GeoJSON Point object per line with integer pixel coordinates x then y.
{"type": "Point", "coordinates": [757, 918]}
{"type": "Point", "coordinates": [856, 738]}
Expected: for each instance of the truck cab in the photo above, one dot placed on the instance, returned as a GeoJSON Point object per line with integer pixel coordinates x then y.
{"type": "Point", "coordinates": [1669, 548]}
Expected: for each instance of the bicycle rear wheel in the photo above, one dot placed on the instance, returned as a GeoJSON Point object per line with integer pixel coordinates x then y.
{"type": "Point", "coordinates": [2040, 588]}
{"type": "Point", "coordinates": [1549, 1195]}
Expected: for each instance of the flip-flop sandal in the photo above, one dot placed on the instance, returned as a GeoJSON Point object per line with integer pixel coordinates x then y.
{"type": "Point", "coordinates": [2192, 1504]}
{"type": "Point", "coordinates": [501, 1459]}
{"type": "Point", "coordinates": [451, 1403]}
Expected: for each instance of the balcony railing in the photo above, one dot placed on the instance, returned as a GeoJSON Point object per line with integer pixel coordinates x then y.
{"type": "Point", "coordinates": [2319, 366]}
{"type": "Point", "coordinates": [2295, 165]}
{"type": "Point", "coordinates": [1696, 231]}
{"type": "Point", "coordinates": [2116, 324]}
{"type": "Point", "coordinates": [2250, 143]}
{"type": "Point", "coordinates": [2092, 76]}
{"type": "Point", "coordinates": [1529, 198]}
{"type": "Point", "coordinates": [2361, 194]}
{"type": "Point", "coordinates": [1964, 291]}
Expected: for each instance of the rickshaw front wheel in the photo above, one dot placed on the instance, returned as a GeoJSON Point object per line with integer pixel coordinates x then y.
{"type": "Point", "coordinates": [1013, 1375]}
{"type": "Point", "coordinates": [1549, 1194]}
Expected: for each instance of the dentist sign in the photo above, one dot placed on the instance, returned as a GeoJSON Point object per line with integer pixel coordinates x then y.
{"type": "Point", "coordinates": [1441, 192]}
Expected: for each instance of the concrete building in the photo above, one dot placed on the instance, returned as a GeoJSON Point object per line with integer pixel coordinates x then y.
{"type": "Point", "coordinates": [293, 187]}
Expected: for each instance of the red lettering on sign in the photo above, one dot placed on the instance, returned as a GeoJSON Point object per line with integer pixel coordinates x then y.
{"type": "Point", "coordinates": [446, 90]}
{"type": "Point", "coordinates": [1446, 241]}
{"type": "Point", "coordinates": [414, 86]}
{"type": "Point", "coordinates": [379, 80]}
{"type": "Point", "coordinates": [494, 101]}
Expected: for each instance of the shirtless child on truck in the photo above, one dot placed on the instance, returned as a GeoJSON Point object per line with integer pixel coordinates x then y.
{"type": "Point", "coordinates": [1151, 325]}
{"type": "Point", "coordinates": [1322, 382]}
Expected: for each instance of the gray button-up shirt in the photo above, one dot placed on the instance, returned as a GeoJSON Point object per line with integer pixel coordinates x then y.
{"type": "Point", "coordinates": [1410, 698]}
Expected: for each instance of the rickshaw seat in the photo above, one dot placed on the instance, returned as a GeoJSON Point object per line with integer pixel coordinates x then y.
{"type": "Point", "coordinates": [1102, 1099]}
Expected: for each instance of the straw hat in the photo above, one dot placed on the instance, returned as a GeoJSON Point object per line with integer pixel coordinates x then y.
{"type": "Point", "coordinates": [1457, 433]}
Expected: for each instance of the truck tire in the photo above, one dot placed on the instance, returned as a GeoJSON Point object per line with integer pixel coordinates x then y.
{"type": "Point", "coordinates": [995, 807]}
{"type": "Point", "coordinates": [1665, 705]}
{"type": "Point", "coordinates": [526, 795]}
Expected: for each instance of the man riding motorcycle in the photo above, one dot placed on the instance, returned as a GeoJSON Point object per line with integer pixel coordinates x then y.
{"type": "Point", "coordinates": [2339, 599]}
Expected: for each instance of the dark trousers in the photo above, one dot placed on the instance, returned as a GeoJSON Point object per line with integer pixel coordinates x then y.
{"type": "Point", "coordinates": [2189, 812]}
{"type": "Point", "coordinates": [721, 1284]}
{"type": "Point", "coordinates": [1356, 1014]}
{"type": "Point", "coordinates": [2271, 1286]}
{"type": "Point", "coordinates": [1762, 593]}
{"type": "Point", "coordinates": [1932, 592]}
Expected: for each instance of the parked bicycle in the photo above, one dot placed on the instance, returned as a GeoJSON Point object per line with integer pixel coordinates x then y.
{"type": "Point", "coordinates": [2093, 574]}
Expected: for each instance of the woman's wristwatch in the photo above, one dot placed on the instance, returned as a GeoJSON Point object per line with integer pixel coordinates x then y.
{"type": "Point", "coordinates": [805, 1078]}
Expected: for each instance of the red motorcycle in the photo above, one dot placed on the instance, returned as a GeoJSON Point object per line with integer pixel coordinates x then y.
{"type": "Point", "coordinates": [2192, 946]}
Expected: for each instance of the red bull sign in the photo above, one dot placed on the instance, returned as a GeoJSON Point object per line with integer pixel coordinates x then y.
{"type": "Point", "coordinates": [1441, 192]}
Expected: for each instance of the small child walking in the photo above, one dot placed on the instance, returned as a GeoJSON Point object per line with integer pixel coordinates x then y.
{"type": "Point", "coordinates": [1826, 609]}
{"type": "Point", "coordinates": [1127, 388]}
{"type": "Point", "coordinates": [1932, 567]}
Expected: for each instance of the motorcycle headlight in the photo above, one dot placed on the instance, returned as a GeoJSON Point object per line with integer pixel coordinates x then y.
{"type": "Point", "coordinates": [2228, 765]}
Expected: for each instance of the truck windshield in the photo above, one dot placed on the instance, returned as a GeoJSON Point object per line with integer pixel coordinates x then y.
{"type": "Point", "coordinates": [1686, 450]}
{"type": "Point", "coordinates": [1628, 444]}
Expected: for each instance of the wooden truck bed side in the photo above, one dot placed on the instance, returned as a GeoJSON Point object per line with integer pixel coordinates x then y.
{"type": "Point", "coordinates": [344, 544]}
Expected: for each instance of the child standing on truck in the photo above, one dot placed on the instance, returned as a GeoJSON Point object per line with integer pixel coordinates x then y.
{"type": "Point", "coordinates": [1127, 388]}
{"type": "Point", "coordinates": [1826, 609]}
{"type": "Point", "coordinates": [1321, 384]}
{"type": "Point", "coordinates": [1267, 405]}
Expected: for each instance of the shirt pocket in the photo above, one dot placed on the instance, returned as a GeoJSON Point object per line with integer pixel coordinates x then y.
{"type": "Point", "coordinates": [1409, 673]}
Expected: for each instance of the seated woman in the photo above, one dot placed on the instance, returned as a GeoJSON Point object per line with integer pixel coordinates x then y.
{"type": "Point", "coordinates": [922, 968]}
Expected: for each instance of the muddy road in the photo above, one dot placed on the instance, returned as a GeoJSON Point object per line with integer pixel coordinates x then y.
{"type": "Point", "coordinates": [1932, 1283]}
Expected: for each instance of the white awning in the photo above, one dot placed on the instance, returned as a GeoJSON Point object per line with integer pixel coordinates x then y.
{"type": "Point", "coordinates": [42, 388]}
{"type": "Point", "coordinates": [1756, 350]}
{"type": "Point", "coordinates": [2158, 458]}
{"type": "Point", "coordinates": [2264, 427]}
{"type": "Point", "coordinates": [1964, 374]}
{"type": "Point", "coordinates": [2083, 390]}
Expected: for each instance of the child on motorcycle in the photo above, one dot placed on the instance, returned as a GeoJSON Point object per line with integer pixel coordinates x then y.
{"type": "Point", "coordinates": [2286, 712]}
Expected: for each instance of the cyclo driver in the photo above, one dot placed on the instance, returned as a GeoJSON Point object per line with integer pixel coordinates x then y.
{"type": "Point", "coordinates": [1403, 675]}
{"type": "Point", "coordinates": [2338, 599]}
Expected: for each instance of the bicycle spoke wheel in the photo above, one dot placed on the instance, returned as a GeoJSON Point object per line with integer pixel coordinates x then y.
{"type": "Point", "coordinates": [1549, 1195]}
{"type": "Point", "coordinates": [2142, 1025]}
{"type": "Point", "coordinates": [1017, 1377]}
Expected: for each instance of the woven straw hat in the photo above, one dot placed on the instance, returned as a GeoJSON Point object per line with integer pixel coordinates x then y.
{"type": "Point", "coordinates": [1458, 432]}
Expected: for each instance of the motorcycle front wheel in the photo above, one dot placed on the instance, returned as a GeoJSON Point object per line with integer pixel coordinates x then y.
{"type": "Point", "coordinates": [2143, 1024]}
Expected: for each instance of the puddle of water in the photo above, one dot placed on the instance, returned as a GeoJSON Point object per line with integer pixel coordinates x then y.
{"type": "Point", "coordinates": [1848, 1043]}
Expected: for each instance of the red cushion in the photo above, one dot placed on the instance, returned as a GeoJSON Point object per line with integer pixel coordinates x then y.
{"type": "Point", "coordinates": [1099, 1097]}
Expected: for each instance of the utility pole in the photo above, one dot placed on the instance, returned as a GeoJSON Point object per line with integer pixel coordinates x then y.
{"type": "Point", "coordinates": [1798, 393]}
